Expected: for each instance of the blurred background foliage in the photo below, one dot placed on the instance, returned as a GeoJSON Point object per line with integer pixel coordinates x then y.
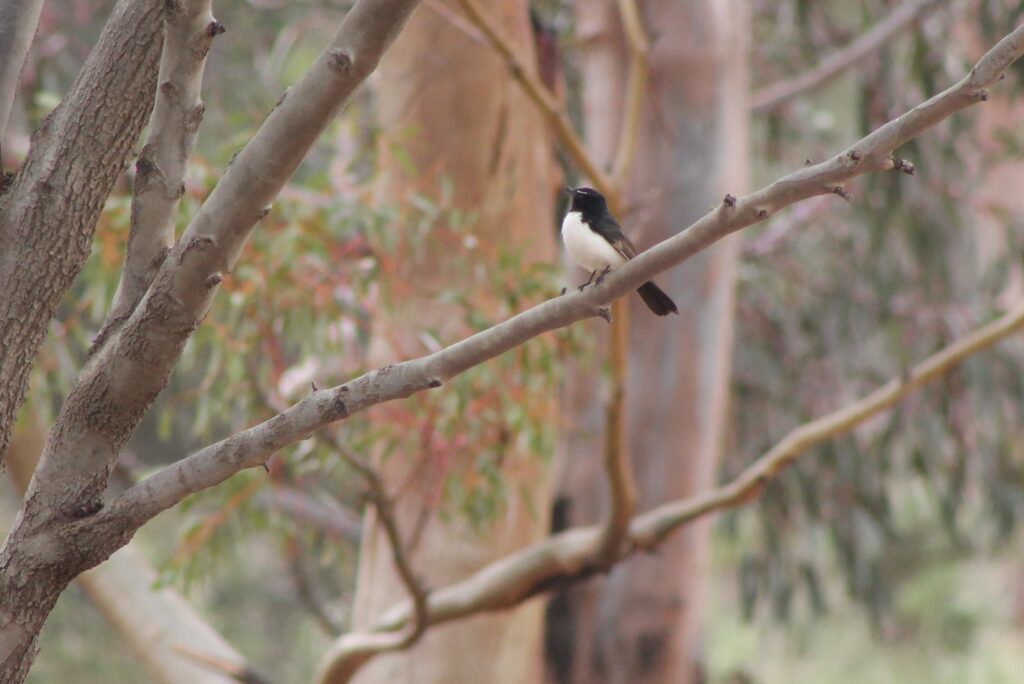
{"type": "Point", "coordinates": [890, 555]}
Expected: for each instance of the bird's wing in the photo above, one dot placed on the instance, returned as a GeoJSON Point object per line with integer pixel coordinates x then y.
{"type": "Point", "coordinates": [609, 229]}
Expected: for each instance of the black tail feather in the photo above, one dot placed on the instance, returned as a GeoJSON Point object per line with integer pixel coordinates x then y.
{"type": "Point", "coordinates": [656, 300]}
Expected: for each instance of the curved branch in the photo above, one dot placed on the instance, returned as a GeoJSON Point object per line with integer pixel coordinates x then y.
{"type": "Point", "coordinates": [573, 555]}
{"type": "Point", "coordinates": [775, 95]}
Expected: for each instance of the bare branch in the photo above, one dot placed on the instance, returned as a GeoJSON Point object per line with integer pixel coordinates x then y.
{"type": "Point", "coordinates": [773, 96]}
{"type": "Point", "coordinates": [123, 378]}
{"type": "Point", "coordinates": [251, 447]}
{"type": "Point", "coordinates": [49, 213]}
{"type": "Point", "coordinates": [652, 527]}
{"type": "Point", "coordinates": [544, 99]}
{"type": "Point", "coordinates": [126, 375]}
{"type": "Point", "coordinates": [636, 89]}
{"type": "Point", "coordinates": [18, 22]}
{"type": "Point", "coordinates": [160, 170]}
{"type": "Point", "coordinates": [573, 555]}
{"type": "Point", "coordinates": [418, 595]}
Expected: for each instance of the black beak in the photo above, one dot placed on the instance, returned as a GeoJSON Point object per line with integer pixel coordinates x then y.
{"type": "Point", "coordinates": [570, 190]}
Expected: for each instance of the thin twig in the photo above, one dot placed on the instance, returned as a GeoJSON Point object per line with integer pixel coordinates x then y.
{"type": "Point", "coordinates": [378, 496]}
{"type": "Point", "coordinates": [456, 20]}
{"type": "Point", "coordinates": [545, 101]}
{"type": "Point", "coordinates": [618, 468]}
{"type": "Point", "coordinates": [773, 96]}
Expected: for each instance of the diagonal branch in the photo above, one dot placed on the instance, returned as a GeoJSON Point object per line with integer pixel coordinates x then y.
{"type": "Point", "coordinates": [251, 447]}
{"type": "Point", "coordinates": [544, 99]}
{"type": "Point", "coordinates": [49, 212]}
{"type": "Point", "coordinates": [160, 171]}
{"type": "Point", "coordinates": [124, 377]}
{"type": "Point", "coordinates": [573, 555]}
{"type": "Point", "coordinates": [18, 22]}
{"type": "Point", "coordinates": [775, 95]}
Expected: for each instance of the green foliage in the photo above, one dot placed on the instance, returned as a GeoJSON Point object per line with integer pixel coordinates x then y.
{"type": "Point", "coordinates": [834, 302]}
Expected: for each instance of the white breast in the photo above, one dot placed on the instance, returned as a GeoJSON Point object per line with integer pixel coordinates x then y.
{"type": "Point", "coordinates": [587, 248]}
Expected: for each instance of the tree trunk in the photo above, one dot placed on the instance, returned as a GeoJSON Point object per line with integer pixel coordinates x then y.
{"type": "Point", "coordinates": [158, 624]}
{"type": "Point", "coordinates": [641, 623]}
{"type": "Point", "coordinates": [450, 104]}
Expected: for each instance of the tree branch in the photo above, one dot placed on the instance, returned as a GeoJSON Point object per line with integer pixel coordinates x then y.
{"type": "Point", "coordinates": [775, 95]}
{"type": "Point", "coordinates": [18, 22]}
{"type": "Point", "coordinates": [338, 665]}
{"type": "Point", "coordinates": [251, 447]}
{"type": "Point", "coordinates": [49, 212]}
{"type": "Point", "coordinates": [636, 89]}
{"type": "Point", "coordinates": [160, 170]}
{"type": "Point", "coordinates": [544, 99]}
{"type": "Point", "coordinates": [123, 378]}
{"type": "Point", "coordinates": [574, 555]}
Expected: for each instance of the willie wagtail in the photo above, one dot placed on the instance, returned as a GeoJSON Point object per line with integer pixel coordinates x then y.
{"type": "Point", "coordinates": [595, 241]}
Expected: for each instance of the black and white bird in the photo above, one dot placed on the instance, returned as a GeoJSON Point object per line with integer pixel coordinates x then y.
{"type": "Point", "coordinates": [595, 241]}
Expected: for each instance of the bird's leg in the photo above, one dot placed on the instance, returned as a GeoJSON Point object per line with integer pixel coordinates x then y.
{"type": "Point", "coordinates": [589, 280]}
{"type": "Point", "coordinates": [605, 272]}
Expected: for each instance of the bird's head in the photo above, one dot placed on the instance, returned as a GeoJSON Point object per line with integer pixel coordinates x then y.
{"type": "Point", "coordinates": [586, 200]}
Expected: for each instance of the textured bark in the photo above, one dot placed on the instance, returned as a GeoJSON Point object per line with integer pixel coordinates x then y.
{"type": "Point", "coordinates": [18, 22]}
{"type": "Point", "coordinates": [640, 623]}
{"type": "Point", "coordinates": [157, 624]}
{"type": "Point", "coordinates": [48, 215]}
{"type": "Point", "coordinates": [57, 535]}
{"type": "Point", "coordinates": [475, 126]}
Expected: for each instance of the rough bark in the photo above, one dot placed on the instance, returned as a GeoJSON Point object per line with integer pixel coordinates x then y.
{"type": "Point", "coordinates": [474, 126]}
{"type": "Point", "coordinates": [160, 627]}
{"type": "Point", "coordinates": [49, 212]}
{"type": "Point", "coordinates": [55, 538]}
{"type": "Point", "coordinates": [639, 624]}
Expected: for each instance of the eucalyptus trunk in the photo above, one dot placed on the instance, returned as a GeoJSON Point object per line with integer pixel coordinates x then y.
{"type": "Point", "coordinates": [642, 623]}
{"type": "Point", "coordinates": [452, 108]}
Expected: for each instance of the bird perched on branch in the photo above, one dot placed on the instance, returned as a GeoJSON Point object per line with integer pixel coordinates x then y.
{"type": "Point", "coordinates": [595, 241]}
